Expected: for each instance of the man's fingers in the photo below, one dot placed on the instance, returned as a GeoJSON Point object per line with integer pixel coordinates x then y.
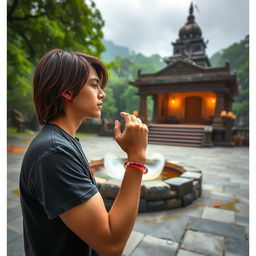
{"type": "Point", "coordinates": [134, 118]}
{"type": "Point", "coordinates": [117, 129]}
{"type": "Point", "coordinates": [139, 121]}
{"type": "Point", "coordinates": [145, 126]}
{"type": "Point", "coordinates": [126, 116]}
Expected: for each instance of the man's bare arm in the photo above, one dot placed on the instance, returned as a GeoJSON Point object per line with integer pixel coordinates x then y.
{"type": "Point", "coordinates": [107, 232]}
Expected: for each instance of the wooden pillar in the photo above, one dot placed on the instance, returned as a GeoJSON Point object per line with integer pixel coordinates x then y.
{"type": "Point", "coordinates": [218, 125]}
{"type": "Point", "coordinates": [219, 104]}
{"type": "Point", "coordinates": [143, 108]}
{"type": "Point", "coordinates": [222, 125]}
{"type": "Point", "coordinates": [228, 103]}
{"type": "Point", "coordinates": [155, 109]}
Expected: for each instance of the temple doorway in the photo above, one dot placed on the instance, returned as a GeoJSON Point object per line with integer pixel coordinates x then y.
{"type": "Point", "coordinates": [193, 109]}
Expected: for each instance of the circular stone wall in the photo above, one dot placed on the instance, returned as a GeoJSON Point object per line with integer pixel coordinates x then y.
{"type": "Point", "coordinates": [177, 186]}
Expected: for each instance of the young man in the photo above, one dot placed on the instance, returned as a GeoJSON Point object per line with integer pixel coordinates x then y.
{"type": "Point", "coordinates": [63, 212]}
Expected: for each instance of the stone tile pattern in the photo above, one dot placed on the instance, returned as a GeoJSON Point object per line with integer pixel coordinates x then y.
{"type": "Point", "coordinates": [134, 239]}
{"type": "Point", "coordinates": [151, 245]}
{"type": "Point", "coordinates": [236, 242]}
{"type": "Point", "coordinates": [203, 243]}
{"type": "Point", "coordinates": [159, 195]}
{"type": "Point", "coordinates": [218, 215]}
{"type": "Point", "coordinates": [188, 253]}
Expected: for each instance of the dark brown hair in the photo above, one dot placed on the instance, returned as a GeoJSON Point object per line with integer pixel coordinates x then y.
{"type": "Point", "coordinates": [60, 71]}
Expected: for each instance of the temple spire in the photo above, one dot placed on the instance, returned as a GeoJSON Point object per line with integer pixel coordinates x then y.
{"type": "Point", "coordinates": [191, 17]}
{"type": "Point", "coordinates": [191, 9]}
{"type": "Point", "coordinates": [190, 44]}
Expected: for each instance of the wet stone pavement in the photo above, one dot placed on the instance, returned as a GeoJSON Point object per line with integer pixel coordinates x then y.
{"type": "Point", "coordinates": [198, 229]}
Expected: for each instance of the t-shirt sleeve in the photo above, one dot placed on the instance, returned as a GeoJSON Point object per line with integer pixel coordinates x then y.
{"type": "Point", "coordinates": [61, 182]}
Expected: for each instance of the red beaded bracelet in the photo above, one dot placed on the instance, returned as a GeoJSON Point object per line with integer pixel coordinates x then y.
{"type": "Point", "coordinates": [141, 167]}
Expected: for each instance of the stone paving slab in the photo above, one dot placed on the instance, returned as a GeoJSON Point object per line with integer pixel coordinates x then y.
{"type": "Point", "coordinates": [12, 204]}
{"type": "Point", "coordinates": [213, 187]}
{"type": "Point", "coordinates": [188, 253]}
{"type": "Point", "coordinates": [168, 226]}
{"type": "Point", "coordinates": [16, 225]}
{"type": "Point", "coordinates": [222, 195]}
{"type": "Point", "coordinates": [11, 235]}
{"type": "Point", "coordinates": [242, 220]}
{"type": "Point", "coordinates": [155, 246]}
{"type": "Point", "coordinates": [14, 213]}
{"type": "Point", "coordinates": [132, 242]}
{"type": "Point", "coordinates": [218, 228]}
{"type": "Point", "coordinates": [15, 247]}
{"type": "Point", "coordinates": [236, 248]}
{"type": "Point", "coordinates": [204, 243]}
{"type": "Point", "coordinates": [218, 215]}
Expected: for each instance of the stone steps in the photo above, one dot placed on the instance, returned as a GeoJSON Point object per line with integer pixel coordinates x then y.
{"type": "Point", "coordinates": [176, 135]}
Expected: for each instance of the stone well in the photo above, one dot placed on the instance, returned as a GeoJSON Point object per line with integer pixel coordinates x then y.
{"type": "Point", "coordinates": [177, 186]}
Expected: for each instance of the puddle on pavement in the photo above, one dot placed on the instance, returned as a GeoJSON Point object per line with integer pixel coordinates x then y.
{"type": "Point", "coordinates": [16, 192]}
{"type": "Point", "coordinates": [231, 205]}
{"type": "Point", "coordinates": [194, 206]}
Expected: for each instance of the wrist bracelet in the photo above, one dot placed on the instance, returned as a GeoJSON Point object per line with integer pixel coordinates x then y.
{"type": "Point", "coordinates": [141, 167]}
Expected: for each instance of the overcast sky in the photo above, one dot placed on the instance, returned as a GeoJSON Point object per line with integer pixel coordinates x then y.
{"type": "Point", "coordinates": [148, 26]}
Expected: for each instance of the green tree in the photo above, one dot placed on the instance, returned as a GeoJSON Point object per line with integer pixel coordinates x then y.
{"type": "Point", "coordinates": [238, 56]}
{"type": "Point", "coordinates": [36, 26]}
{"type": "Point", "coordinates": [109, 109]}
{"type": "Point", "coordinates": [124, 70]}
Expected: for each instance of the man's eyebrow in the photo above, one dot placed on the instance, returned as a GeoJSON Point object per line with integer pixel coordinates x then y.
{"type": "Point", "coordinates": [95, 79]}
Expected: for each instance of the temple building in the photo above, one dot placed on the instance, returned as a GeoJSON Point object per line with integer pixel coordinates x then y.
{"type": "Point", "coordinates": [192, 100]}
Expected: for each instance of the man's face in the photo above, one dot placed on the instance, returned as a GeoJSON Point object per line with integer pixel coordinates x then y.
{"type": "Point", "coordinates": [88, 102]}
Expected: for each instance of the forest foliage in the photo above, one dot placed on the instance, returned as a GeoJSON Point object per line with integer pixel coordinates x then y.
{"type": "Point", "coordinates": [36, 26]}
{"type": "Point", "coordinates": [238, 56]}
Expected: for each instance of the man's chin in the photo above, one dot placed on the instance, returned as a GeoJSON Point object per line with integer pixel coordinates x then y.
{"type": "Point", "coordinates": [98, 115]}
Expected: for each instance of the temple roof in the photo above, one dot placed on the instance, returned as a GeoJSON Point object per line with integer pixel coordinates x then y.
{"type": "Point", "coordinates": [186, 71]}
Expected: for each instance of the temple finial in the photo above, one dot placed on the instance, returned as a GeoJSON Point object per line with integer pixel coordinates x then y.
{"type": "Point", "coordinates": [191, 9]}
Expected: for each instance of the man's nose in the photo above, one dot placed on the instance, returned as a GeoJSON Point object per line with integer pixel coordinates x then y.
{"type": "Point", "coordinates": [102, 94]}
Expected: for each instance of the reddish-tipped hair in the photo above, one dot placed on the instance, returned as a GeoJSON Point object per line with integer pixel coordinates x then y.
{"type": "Point", "coordinates": [60, 71]}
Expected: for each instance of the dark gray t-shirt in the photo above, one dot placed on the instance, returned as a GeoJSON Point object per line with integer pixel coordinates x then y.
{"type": "Point", "coordinates": [55, 177]}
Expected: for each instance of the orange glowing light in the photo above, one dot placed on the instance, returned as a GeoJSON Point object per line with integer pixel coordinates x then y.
{"type": "Point", "coordinates": [223, 113]}
{"type": "Point", "coordinates": [136, 113]}
{"type": "Point", "coordinates": [173, 101]}
{"type": "Point", "coordinates": [231, 115]}
{"type": "Point", "coordinates": [213, 100]}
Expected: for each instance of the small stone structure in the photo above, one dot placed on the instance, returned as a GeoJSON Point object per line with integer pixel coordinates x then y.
{"type": "Point", "coordinates": [156, 195]}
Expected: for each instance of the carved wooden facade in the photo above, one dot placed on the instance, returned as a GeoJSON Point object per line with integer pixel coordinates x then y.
{"type": "Point", "coordinates": [188, 90]}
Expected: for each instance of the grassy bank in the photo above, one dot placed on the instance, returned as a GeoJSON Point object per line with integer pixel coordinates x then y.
{"type": "Point", "coordinates": [12, 132]}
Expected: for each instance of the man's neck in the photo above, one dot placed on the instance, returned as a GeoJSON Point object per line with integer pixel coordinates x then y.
{"type": "Point", "coordinates": [68, 125]}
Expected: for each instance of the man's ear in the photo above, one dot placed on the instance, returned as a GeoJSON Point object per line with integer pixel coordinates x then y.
{"type": "Point", "coordinates": [67, 95]}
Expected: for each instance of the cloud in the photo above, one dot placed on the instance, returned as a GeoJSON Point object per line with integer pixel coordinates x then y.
{"type": "Point", "coordinates": [149, 26]}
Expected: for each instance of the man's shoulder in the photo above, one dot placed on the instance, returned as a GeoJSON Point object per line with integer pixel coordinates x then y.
{"type": "Point", "coordinates": [49, 141]}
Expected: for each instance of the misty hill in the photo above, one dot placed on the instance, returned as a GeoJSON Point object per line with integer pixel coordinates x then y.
{"type": "Point", "coordinates": [113, 51]}
{"type": "Point", "coordinates": [120, 53]}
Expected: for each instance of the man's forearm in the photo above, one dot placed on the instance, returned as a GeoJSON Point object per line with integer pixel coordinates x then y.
{"type": "Point", "coordinates": [123, 213]}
